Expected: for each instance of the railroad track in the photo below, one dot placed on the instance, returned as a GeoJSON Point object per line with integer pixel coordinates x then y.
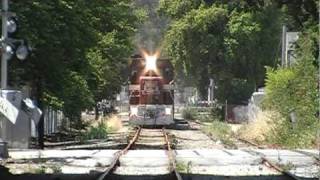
{"type": "Point", "coordinates": [266, 161]}
{"type": "Point", "coordinates": [171, 156]}
{"type": "Point", "coordinates": [140, 135]}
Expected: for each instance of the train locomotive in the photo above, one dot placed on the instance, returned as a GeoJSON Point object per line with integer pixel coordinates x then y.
{"type": "Point", "coordinates": [151, 92]}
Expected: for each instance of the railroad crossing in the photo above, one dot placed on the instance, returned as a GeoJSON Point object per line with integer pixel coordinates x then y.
{"type": "Point", "coordinates": [202, 162]}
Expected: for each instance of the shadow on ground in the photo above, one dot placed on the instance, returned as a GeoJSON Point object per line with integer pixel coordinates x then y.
{"type": "Point", "coordinates": [94, 176]}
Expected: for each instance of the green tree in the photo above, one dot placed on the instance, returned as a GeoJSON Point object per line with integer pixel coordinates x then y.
{"type": "Point", "coordinates": [79, 49]}
{"type": "Point", "coordinates": [227, 41]}
{"type": "Point", "coordinates": [294, 90]}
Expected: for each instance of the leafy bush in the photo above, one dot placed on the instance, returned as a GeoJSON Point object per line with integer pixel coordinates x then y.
{"type": "Point", "coordinates": [98, 132]}
{"type": "Point", "coordinates": [294, 90]}
{"type": "Point", "coordinates": [221, 131]}
{"type": "Point", "coordinates": [217, 112]}
{"type": "Point", "coordinates": [189, 113]}
{"type": "Point", "coordinates": [236, 91]}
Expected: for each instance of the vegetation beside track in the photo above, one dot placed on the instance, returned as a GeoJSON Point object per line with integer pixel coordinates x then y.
{"type": "Point", "coordinates": [99, 129]}
{"type": "Point", "coordinates": [220, 130]}
{"type": "Point", "coordinates": [212, 124]}
{"type": "Point", "coordinates": [293, 92]}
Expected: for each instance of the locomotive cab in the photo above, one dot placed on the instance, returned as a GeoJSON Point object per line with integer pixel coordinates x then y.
{"type": "Point", "coordinates": [151, 94]}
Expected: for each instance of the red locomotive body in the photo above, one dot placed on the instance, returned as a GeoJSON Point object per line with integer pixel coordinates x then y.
{"type": "Point", "coordinates": [151, 92]}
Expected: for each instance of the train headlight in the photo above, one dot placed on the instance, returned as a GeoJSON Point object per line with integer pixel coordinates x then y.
{"type": "Point", "coordinates": [168, 111]}
{"type": "Point", "coordinates": [151, 62]}
{"type": "Point", "coordinates": [134, 111]}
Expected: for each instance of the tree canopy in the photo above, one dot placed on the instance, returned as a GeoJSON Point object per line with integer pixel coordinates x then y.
{"type": "Point", "coordinates": [79, 50]}
{"type": "Point", "coordinates": [230, 42]}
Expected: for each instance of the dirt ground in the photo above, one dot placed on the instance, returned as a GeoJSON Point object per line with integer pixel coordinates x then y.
{"type": "Point", "coordinates": [194, 138]}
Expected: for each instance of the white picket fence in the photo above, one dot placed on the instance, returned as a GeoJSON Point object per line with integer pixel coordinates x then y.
{"type": "Point", "coordinates": [54, 121]}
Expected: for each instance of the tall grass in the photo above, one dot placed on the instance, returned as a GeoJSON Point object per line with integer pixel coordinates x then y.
{"type": "Point", "coordinates": [189, 113]}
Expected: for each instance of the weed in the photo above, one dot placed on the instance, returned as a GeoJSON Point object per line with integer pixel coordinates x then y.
{"type": "Point", "coordinates": [189, 114]}
{"type": "Point", "coordinates": [40, 170]}
{"type": "Point", "coordinates": [98, 132]}
{"type": "Point", "coordinates": [287, 167]}
{"type": "Point", "coordinates": [257, 130]}
{"type": "Point", "coordinates": [221, 131]}
{"type": "Point", "coordinates": [184, 168]}
{"type": "Point", "coordinates": [56, 169]}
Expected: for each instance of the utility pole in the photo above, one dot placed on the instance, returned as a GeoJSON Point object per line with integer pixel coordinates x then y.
{"type": "Point", "coordinates": [4, 36]}
{"type": "Point", "coordinates": [284, 47]}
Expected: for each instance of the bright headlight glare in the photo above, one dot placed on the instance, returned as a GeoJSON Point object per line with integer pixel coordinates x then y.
{"type": "Point", "coordinates": [151, 62]}
{"type": "Point", "coordinates": [134, 111]}
{"type": "Point", "coordinates": [168, 111]}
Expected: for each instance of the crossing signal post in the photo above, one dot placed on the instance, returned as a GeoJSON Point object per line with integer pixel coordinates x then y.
{"type": "Point", "coordinates": [9, 45]}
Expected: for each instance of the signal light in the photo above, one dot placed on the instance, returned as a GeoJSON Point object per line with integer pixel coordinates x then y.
{"type": "Point", "coordinates": [22, 52]}
{"type": "Point", "coordinates": [12, 25]}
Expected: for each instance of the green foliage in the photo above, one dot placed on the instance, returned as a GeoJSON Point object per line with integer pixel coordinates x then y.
{"type": "Point", "coordinates": [189, 113]}
{"type": "Point", "coordinates": [220, 130]}
{"type": "Point", "coordinates": [224, 41]}
{"type": "Point", "coordinates": [183, 167]}
{"type": "Point", "coordinates": [178, 8]}
{"type": "Point", "coordinates": [40, 170]}
{"type": "Point", "coordinates": [99, 132]}
{"type": "Point", "coordinates": [294, 90]}
{"type": "Point", "coordinates": [56, 169]}
{"type": "Point", "coordinates": [216, 112]}
{"type": "Point", "coordinates": [79, 50]}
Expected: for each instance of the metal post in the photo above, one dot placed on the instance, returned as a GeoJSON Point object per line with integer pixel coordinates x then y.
{"type": "Point", "coordinates": [5, 7]}
{"type": "Point", "coordinates": [284, 48]}
{"type": "Point", "coordinates": [4, 57]}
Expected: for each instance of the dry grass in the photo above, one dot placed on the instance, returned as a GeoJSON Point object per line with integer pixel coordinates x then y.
{"type": "Point", "coordinates": [258, 129]}
{"type": "Point", "coordinates": [110, 122]}
{"type": "Point", "coordinates": [113, 122]}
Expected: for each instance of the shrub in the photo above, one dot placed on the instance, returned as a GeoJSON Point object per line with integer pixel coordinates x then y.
{"type": "Point", "coordinates": [221, 131]}
{"type": "Point", "coordinates": [257, 131]}
{"type": "Point", "coordinates": [294, 90]}
{"type": "Point", "coordinates": [98, 132]}
{"type": "Point", "coordinates": [189, 113]}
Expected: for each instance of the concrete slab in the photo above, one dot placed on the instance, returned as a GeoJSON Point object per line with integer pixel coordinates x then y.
{"type": "Point", "coordinates": [75, 170]}
{"type": "Point", "coordinates": [142, 171]}
{"type": "Point", "coordinates": [235, 152]}
{"type": "Point", "coordinates": [306, 171]}
{"type": "Point", "coordinates": [312, 151]}
{"type": "Point", "coordinates": [32, 154]}
{"type": "Point", "coordinates": [210, 152]}
{"type": "Point", "coordinates": [234, 170]}
{"type": "Point", "coordinates": [146, 153]}
{"type": "Point", "coordinates": [286, 157]}
{"type": "Point", "coordinates": [216, 157]}
{"type": "Point", "coordinates": [220, 161]}
{"type": "Point", "coordinates": [90, 162]}
{"type": "Point", "coordinates": [145, 158]}
{"type": "Point", "coordinates": [197, 161]}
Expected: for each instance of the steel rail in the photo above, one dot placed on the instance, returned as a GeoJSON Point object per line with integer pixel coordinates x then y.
{"type": "Point", "coordinates": [251, 143]}
{"type": "Point", "coordinates": [268, 162]}
{"type": "Point", "coordinates": [279, 169]}
{"type": "Point", "coordinates": [171, 156]}
{"type": "Point", "coordinates": [315, 157]}
{"type": "Point", "coordinates": [118, 154]}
